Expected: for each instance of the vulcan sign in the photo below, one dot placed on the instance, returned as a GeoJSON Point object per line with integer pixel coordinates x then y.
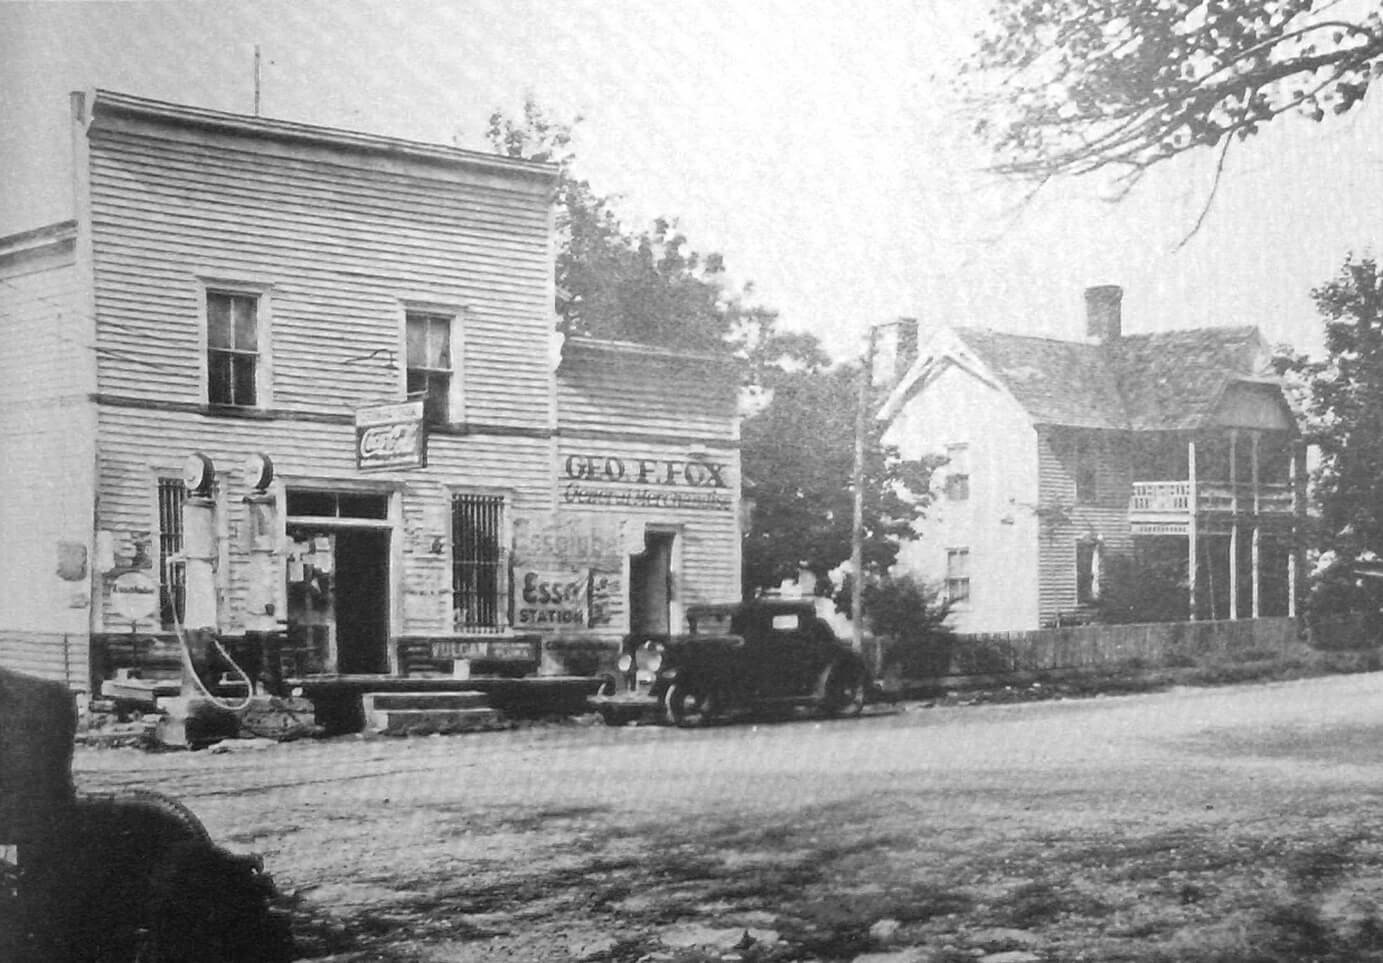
{"type": "Point", "coordinates": [390, 436]}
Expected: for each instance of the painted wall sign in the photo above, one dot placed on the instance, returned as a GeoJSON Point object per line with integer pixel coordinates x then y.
{"type": "Point", "coordinates": [551, 598]}
{"type": "Point", "coordinates": [590, 539]}
{"type": "Point", "coordinates": [390, 436]}
{"type": "Point", "coordinates": [134, 596]}
{"type": "Point", "coordinates": [627, 482]}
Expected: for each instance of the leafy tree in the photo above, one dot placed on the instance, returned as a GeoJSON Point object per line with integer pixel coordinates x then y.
{"type": "Point", "coordinates": [798, 463]}
{"type": "Point", "coordinates": [1345, 420]}
{"type": "Point", "coordinates": [1085, 85]}
{"type": "Point", "coordinates": [647, 286]}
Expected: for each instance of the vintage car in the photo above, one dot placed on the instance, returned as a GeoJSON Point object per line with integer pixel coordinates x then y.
{"type": "Point", "coordinates": [762, 654]}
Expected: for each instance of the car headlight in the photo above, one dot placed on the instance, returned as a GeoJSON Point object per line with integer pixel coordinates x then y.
{"type": "Point", "coordinates": [626, 662]}
{"type": "Point", "coordinates": [649, 657]}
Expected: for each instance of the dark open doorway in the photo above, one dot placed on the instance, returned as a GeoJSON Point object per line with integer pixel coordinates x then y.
{"type": "Point", "coordinates": [650, 585]}
{"type": "Point", "coordinates": [362, 601]}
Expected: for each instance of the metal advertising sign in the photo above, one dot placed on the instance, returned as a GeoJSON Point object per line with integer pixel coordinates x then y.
{"type": "Point", "coordinates": [134, 596]}
{"type": "Point", "coordinates": [390, 436]}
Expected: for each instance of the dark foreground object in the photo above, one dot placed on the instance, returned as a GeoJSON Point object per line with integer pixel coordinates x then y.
{"type": "Point", "coordinates": [113, 878]}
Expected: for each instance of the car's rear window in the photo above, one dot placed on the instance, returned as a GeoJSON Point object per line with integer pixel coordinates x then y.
{"type": "Point", "coordinates": [710, 623]}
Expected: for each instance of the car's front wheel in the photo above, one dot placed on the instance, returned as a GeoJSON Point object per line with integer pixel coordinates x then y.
{"type": "Point", "coordinates": [845, 691]}
{"type": "Point", "coordinates": [688, 706]}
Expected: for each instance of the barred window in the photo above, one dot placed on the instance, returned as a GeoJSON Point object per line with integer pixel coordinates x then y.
{"type": "Point", "coordinates": [477, 581]}
{"type": "Point", "coordinates": [172, 586]}
{"type": "Point", "coordinates": [957, 574]}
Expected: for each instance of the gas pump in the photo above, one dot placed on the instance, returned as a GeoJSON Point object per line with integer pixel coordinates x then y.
{"type": "Point", "coordinates": [264, 616]}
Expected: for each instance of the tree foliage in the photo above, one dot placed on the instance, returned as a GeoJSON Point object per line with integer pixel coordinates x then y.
{"type": "Point", "coordinates": [798, 462]}
{"type": "Point", "coordinates": [1074, 86]}
{"type": "Point", "coordinates": [648, 286]}
{"type": "Point", "coordinates": [1344, 419]}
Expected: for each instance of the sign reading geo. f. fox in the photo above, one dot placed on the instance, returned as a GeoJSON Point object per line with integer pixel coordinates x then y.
{"type": "Point", "coordinates": [390, 436]}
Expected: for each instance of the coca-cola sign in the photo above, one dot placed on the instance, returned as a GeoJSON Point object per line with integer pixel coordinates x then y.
{"type": "Point", "coordinates": [390, 436]}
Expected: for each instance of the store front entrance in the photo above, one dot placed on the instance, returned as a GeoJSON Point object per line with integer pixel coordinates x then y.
{"type": "Point", "coordinates": [338, 589]}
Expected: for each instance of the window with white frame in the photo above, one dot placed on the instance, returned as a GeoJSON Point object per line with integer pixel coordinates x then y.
{"type": "Point", "coordinates": [232, 348]}
{"type": "Point", "coordinates": [957, 574]}
{"type": "Point", "coordinates": [429, 367]}
{"type": "Point", "coordinates": [957, 473]}
{"type": "Point", "coordinates": [477, 563]}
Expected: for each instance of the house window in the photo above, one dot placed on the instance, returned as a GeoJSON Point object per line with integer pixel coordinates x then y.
{"type": "Point", "coordinates": [232, 337]}
{"type": "Point", "coordinates": [429, 364]}
{"type": "Point", "coordinates": [957, 473]}
{"type": "Point", "coordinates": [957, 574]}
{"type": "Point", "coordinates": [476, 563]}
{"type": "Point", "coordinates": [172, 583]}
{"type": "Point", "coordinates": [1087, 489]}
{"type": "Point", "coordinates": [1088, 572]}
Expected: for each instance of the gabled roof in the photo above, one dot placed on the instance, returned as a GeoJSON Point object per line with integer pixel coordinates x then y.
{"type": "Point", "coordinates": [1056, 382]}
{"type": "Point", "coordinates": [1174, 379]}
{"type": "Point", "coordinates": [1163, 381]}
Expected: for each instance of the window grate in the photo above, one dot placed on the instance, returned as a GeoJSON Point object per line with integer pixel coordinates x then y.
{"type": "Point", "coordinates": [172, 575]}
{"type": "Point", "coordinates": [477, 581]}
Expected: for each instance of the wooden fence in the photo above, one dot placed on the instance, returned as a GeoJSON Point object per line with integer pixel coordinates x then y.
{"type": "Point", "coordinates": [1105, 646]}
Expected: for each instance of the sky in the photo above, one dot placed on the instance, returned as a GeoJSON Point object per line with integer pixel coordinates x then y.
{"type": "Point", "coordinates": [819, 145]}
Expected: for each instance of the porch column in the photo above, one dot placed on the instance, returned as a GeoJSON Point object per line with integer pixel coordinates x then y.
{"type": "Point", "coordinates": [1191, 571]}
{"type": "Point", "coordinates": [1233, 524]}
{"type": "Point", "coordinates": [1256, 611]}
{"type": "Point", "coordinates": [1297, 478]}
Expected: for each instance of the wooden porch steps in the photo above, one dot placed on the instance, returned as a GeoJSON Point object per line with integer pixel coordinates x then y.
{"type": "Point", "coordinates": [422, 713]}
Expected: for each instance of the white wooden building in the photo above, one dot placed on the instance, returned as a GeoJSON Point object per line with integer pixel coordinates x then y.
{"type": "Point", "coordinates": [1171, 454]}
{"type": "Point", "coordinates": [452, 481]}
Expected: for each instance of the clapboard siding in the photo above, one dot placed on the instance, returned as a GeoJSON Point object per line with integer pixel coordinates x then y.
{"type": "Point", "coordinates": [340, 247]}
{"type": "Point", "coordinates": [646, 396]}
{"type": "Point", "coordinates": [47, 461]}
{"type": "Point", "coordinates": [1067, 521]}
{"type": "Point", "coordinates": [141, 445]}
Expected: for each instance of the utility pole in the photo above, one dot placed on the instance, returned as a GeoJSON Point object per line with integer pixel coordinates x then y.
{"type": "Point", "coordinates": [857, 529]}
{"type": "Point", "coordinates": [257, 80]}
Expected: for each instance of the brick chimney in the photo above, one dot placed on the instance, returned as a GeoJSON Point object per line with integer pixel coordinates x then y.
{"type": "Point", "coordinates": [1103, 317]}
{"type": "Point", "coordinates": [895, 349]}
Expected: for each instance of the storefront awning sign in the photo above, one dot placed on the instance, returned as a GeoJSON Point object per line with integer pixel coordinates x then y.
{"type": "Point", "coordinates": [390, 436]}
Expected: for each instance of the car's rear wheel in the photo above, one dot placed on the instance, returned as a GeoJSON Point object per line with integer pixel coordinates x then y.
{"type": "Point", "coordinates": [845, 690]}
{"type": "Point", "coordinates": [688, 706]}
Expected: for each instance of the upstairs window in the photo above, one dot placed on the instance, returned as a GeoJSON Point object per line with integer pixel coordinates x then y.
{"type": "Point", "coordinates": [957, 473]}
{"type": "Point", "coordinates": [429, 365]}
{"type": "Point", "coordinates": [1087, 474]}
{"type": "Point", "coordinates": [957, 574]}
{"type": "Point", "coordinates": [477, 566]}
{"type": "Point", "coordinates": [232, 336]}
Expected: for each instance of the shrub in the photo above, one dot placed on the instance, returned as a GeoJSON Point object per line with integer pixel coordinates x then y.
{"type": "Point", "coordinates": [913, 616]}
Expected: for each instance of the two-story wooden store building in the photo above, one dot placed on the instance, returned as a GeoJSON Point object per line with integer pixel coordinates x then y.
{"type": "Point", "coordinates": [1172, 456]}
{"type": "Point", "coordinates": [452, 480]}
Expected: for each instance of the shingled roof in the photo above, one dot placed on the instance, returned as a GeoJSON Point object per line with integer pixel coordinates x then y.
{"type": "Point", "coordinates": [1163, 381]}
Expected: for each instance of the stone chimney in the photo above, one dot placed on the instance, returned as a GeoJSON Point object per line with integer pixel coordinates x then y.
{"type": "Point", "coordinates": [1103, 317]}
{"type": "Point", "coordinates": [895, 349]}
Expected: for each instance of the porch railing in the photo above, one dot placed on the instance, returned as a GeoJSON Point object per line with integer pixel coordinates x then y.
{"type": "Point", "coordinates": [1164, 498]}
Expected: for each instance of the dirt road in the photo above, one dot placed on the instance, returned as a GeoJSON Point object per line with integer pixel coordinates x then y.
{"type": "Point", "coordinates": [1207, 824]}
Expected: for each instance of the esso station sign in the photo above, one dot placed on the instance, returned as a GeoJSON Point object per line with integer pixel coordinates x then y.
{"type": "Point", "coordinates": [134, 596]}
